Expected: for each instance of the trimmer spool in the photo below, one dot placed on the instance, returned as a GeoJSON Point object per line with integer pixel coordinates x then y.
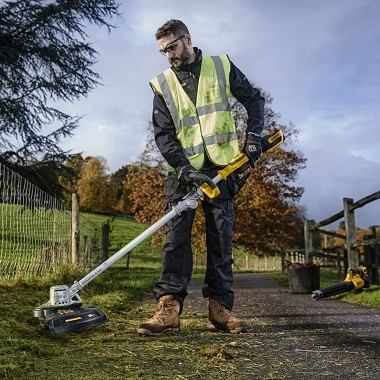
{"type": "Point", "coordinates": [60, 295]}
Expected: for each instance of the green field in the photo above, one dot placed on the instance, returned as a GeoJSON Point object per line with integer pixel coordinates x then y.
{"type": "Point", "coordinates": [33, 239]}
{"type": "Point", "coordinates": [122, 231]}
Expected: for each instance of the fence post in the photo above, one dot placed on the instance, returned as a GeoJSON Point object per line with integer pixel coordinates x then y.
{"type": "Point", "coordinates": [371, 258]}
{"type": "Point", "coordinates": [105, 240]}
{"type": "Point", "coordinates": [349, 218]}
{"type": "Point", "coordinates": [308, 239]}
{"type": "Point", "coordinates": [75, 229]}
{"type": "Point", "coordinates": [375, 259]}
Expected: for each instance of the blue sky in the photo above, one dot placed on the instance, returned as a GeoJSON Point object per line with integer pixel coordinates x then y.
{"type": "Point", "coordinates": [320, 60]}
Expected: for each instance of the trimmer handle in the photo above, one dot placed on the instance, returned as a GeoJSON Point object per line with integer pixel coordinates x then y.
{"type": "Point", "coordinates": [203, 178]}
{"type": "Point", "coordinates": [208, 186]}
{"type": "Point", "coordinates": [240, 163]}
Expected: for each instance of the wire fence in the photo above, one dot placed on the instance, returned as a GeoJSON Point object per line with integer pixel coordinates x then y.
{"type": "Point", "coordinates": [35, 231]}
{"type": "Point", "coordinates": [89, 242]}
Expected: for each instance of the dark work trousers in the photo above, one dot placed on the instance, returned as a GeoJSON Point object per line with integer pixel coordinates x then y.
{"type": "Point", "coordinates": [177, 255]}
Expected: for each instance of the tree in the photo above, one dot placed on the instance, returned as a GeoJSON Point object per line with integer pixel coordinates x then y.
{"type": "Point", "coordinates": [96, 193]}
{"type": "Point", "coordinates": [265, 210]}
{"type": "Point", "coordinates": [266, 218]}
{"type": "Point", "coordinates": [118, 181]}
{"type": "Point", "coordinates": [44, 57]}
{"type": "Point", "coordinates": [69, 182]}
{"type": "Point", "coordinates": [144, 185]}
{"type": "Point", "coordinates": [151, 156]}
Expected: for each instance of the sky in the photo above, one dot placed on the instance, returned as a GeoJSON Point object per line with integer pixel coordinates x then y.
{"type": "Point", "coordinates": [320, 61]}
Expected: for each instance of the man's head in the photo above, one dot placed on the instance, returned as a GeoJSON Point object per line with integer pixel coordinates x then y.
{"type": "Point", "coordinates": [174, 41]}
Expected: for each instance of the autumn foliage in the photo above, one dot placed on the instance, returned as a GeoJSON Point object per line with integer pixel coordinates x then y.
{"type": "Point", "coordinates": [96, 194]}
{"type": "Point", "coordinates": [145, 184]}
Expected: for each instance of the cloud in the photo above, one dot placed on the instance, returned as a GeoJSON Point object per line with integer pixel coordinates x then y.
{"type": "Point", "coordinates": [326, 186]}
{"type": "Point", "coordinates": [341, 163]}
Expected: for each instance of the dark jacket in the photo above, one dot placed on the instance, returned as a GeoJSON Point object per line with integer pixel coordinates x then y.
{"type": "Point", "coordinates": [241, 89]}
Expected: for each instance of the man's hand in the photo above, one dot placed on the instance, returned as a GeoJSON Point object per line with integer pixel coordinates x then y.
{"type": "Point", "coordinates": [183, 174]}
{"type": "Point", "coordinates": [252, 148]}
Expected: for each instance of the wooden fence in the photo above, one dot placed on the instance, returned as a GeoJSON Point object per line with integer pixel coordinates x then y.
{"type": "Point", "coordinates": [352, 253]}
{"type": "Point", "coordinates": [248, 262]}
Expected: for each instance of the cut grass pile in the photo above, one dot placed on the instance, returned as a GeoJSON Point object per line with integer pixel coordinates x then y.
{"type": "Point", "coordinates": [112, 350]}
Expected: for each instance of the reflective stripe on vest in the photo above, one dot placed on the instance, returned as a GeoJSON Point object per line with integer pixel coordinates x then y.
{"type": "Point", "coordinates": [209, 125]}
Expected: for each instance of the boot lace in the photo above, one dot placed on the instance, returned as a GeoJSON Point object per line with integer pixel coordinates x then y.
{"type": "Point", "coordinates": [223, 312]}
{"type": "Point", "coordinates": [164, 310]}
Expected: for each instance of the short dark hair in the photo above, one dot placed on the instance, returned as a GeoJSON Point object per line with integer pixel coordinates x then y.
{"type": "Point", "coordinates": [176, 27]}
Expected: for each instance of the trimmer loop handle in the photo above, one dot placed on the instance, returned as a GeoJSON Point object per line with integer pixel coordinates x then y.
{"type": "Point", "coordinates": [203, 178]}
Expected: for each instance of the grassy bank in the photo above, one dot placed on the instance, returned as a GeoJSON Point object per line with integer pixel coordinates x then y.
{"type": "Point", "coordinates": [122, 231]}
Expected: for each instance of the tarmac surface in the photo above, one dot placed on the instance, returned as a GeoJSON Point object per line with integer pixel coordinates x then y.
{"type": "Point", "coordinates": [292, 336]}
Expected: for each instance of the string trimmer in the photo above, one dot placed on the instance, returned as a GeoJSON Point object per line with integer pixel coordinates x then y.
{"type": "Point", "coordinates": [64, 311]}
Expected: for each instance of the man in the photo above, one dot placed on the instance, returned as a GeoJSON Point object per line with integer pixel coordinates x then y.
{"type": "Point", "coordinates": [194, 130]}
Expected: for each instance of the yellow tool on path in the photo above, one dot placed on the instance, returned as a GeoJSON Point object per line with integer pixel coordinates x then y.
{"type": "Point", "coordinates": [355, 281]}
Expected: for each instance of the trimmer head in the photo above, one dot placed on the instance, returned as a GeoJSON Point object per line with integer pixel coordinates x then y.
{"type": "Point", "coordinates": [62, 314]}
{"type": "Point", "coordinates": [60, 319]}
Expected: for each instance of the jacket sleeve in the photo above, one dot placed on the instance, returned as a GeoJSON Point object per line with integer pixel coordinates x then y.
{"type": "Point", "coordinates": [165, 135]}
{"type": "Point", "coordinates": [251, 99]}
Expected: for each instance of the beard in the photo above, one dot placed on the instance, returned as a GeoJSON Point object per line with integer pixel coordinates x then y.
{"type": "Point", "coordinates": [180, 60]}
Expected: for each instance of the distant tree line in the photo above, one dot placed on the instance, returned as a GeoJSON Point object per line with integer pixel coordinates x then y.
{"type": "Point", "coordinates": [99, 192]}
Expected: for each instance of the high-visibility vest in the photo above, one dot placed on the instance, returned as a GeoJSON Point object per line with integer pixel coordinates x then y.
{"type": "Point", "coordinates": [207, 126]}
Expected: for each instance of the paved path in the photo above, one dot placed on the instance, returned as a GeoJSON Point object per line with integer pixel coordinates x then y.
{"type": "Point", "coordinates": [294, 337]}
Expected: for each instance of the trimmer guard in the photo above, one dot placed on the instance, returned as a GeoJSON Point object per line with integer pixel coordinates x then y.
{"type": "Point", "coordinates": [58, 319]}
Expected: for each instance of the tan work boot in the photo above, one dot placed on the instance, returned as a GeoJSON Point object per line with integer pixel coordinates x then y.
{"type": "Point", "coordinates": [166, 317]}
{"type": "Point", "coordinates": [223, 319]}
